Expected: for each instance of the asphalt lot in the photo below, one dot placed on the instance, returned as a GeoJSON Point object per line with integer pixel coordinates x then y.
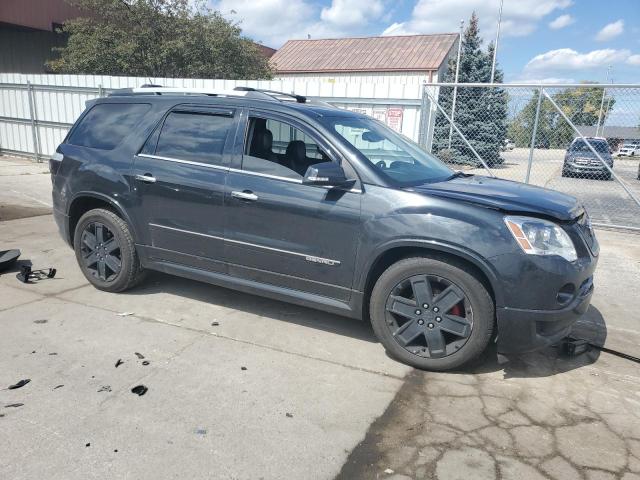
{"type": "Point", "coordinates": [318, 399]}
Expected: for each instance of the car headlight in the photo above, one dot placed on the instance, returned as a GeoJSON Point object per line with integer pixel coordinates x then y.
{"type": "Point", "coordinates": [541, 237]}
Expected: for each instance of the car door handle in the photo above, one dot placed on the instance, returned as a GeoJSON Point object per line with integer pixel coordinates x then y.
{"type": "Point", "coordinates": [147, 178]}
{"type": "Point", "coordinates": [246, 195]}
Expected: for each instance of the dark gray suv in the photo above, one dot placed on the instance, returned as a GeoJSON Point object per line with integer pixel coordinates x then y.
{"type": "Point", "coordinates": [275, 195]}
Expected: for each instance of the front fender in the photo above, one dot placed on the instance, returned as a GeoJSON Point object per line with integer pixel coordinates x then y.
{"type": "Point", "coordinates": [450, 248]}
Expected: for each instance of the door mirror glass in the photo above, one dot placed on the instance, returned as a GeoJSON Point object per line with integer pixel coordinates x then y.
{"type": "Point", "coordinates": [328, 174]}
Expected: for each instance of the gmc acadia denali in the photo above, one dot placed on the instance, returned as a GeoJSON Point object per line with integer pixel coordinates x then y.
{"type": "Point", "coordinates": [275, 195]}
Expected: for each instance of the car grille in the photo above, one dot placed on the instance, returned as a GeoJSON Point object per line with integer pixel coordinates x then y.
{"type": "Point", "coordinates": [587, 162]}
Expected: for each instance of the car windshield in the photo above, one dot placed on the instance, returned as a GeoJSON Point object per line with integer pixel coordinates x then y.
{"type": "Point", "coordinates": [600, 146]}
{"type": "Point", "coordinates": [395, 156]}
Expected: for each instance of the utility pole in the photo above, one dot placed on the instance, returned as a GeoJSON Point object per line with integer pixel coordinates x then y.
{"type": "Point", "coordinates": [600, 119]}
{"type": "Point", "coordinates": [455, 87]}
{"type": "Point", "coordinates": [495, 46]}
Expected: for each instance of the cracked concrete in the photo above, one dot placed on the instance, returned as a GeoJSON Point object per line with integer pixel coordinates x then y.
{"type": "Point", "coordinates": [482, 425]}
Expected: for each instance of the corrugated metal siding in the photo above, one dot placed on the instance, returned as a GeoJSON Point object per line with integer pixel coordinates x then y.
{"type": "Point", "coordinates": [26, 52]}
{"type": "Point", "coordinates": [56, 100]}
{"type": "Point", "coordinates": [362, 77]}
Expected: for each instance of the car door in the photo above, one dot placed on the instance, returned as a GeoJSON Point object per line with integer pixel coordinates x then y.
{"type": "Point", "coordinates": [179, 179]}
{"type": "Point", "coordinates": [279, 231]}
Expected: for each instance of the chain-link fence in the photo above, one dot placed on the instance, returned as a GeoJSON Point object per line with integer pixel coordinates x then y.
{"type": "Point", "coordinates": [583, 140]}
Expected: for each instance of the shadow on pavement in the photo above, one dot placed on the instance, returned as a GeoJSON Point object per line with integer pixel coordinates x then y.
{"type": "Point", "coordinates": [255, 305]}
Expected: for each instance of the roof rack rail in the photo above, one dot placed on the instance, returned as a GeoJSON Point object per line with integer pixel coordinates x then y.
{"type": "Point", "coordinates": [273, 93]}
{"type": "Point", "coordinates": [152, 89]}
{"type": "Point", "coordinates": [158, 90]}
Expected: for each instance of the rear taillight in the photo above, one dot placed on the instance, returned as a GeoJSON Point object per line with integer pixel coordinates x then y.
{"type": "Point", "coordinates": [54, 163]}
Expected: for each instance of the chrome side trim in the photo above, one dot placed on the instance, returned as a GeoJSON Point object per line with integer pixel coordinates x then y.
{"type": "Point", "coordinates": [186, 231]}
{"type": "Point", "coordinates": [266, 175]}
{"type": "Point", "coordinates": [186, 162]}
{"type": "Point", "coordinates": [237, 170]}
{"type": "Point", "coordinates": [308, 258]}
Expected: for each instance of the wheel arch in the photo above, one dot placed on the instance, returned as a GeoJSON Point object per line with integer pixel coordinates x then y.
{"type": "Point", "coordinates": [392, 253]}
{"type": "Point", "coordinates": [84, 201]}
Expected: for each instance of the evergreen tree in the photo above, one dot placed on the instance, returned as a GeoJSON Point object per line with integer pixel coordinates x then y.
{"type": "Point", "coordinates": [480, 113]}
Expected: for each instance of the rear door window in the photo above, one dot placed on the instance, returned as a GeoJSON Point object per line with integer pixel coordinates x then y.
{"type": "Point", "coordinates": [194, 136]}
{"type": "Point", "coordinates": [107, 124]}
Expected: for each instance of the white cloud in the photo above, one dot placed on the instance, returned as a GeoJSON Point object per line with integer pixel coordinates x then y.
{"type": "Point", "coordinates": [610, 31]}
{"type": "Point", "coordinates": [566, 59]}
{"type": "Point", "coordinates": [543, 80]}
{"type": "Point", "coordinates": [349, 13]}
{"type": "Point", "coordinates": [273, 22]}
{"type": "Point", "coordinates": [561, 22]}
{"type": "Point", "coordinates": [519, 18]}
{"type": "Point", "coordinates": [634, 60]}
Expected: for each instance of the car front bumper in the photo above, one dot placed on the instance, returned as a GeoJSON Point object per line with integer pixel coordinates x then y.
{"type": "Point", "coordinates": [543, 296]}
{"type": "Point", "coordinates": [586, 169]}
{"type": "Point", "coordinates": [522, 330]}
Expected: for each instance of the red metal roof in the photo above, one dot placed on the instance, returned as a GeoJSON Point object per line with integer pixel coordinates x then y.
{"type": "Point", "coordinates": [369, 54]}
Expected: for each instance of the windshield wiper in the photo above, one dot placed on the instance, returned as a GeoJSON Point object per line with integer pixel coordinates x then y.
{"type": "Point", "coordinates": [459, 174]}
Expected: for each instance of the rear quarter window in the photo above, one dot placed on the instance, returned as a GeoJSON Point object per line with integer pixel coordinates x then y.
{"type": "Point", "coordinates": [194, 136]}
{"type": "Point", "coordinates": [107, 124]}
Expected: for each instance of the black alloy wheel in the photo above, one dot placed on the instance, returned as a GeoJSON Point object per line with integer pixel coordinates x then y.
{"type": "Point", "coordinates": [429, 316]}
{"type": "Point", "coordinates": [100, 251]}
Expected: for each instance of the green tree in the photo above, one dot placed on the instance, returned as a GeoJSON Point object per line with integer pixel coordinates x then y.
{"type": "Point", "coordinates": [480, 112]}
{"type": "Point", "coordinates": [156, 38]}
{"type": "Point", "coordinates": [581, 105]}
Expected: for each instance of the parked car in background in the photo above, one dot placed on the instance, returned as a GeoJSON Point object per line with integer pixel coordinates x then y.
{"type": "Point", "coordinates": [629, 149]}
{"type": "Point", "coordinates": [271, 194]}
{"type": "Point", "coordinates": [581, 161]}
{"type": "Point", "coordinates": [507, 144]}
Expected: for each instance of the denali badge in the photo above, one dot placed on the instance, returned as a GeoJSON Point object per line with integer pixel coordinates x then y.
{"type": "Point", "coordinates": [324, 261]}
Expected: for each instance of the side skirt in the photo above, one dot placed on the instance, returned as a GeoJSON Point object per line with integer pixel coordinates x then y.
{"type": "Point", "coordinates": [350, 309]}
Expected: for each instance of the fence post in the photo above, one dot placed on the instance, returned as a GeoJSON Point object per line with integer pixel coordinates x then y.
{"type": "Point", "coordinates": [100, 91]}
{"type": "Point", "coordinates": [533, 135]}
{"type": "Point", "coordinates": [422, 133]}
{"type": "Point", "coordinates": [32, 116]}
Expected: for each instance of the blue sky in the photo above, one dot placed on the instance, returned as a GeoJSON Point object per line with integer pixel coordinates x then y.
{"type": "Point", "coordinates": [541, 40]}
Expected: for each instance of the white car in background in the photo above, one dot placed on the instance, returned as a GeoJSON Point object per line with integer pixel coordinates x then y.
{"type": "Point", "coordinates": [629, 149]}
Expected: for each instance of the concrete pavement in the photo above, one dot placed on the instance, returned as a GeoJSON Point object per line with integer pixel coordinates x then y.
{"type": "Point", "coordinates": [318, 396]}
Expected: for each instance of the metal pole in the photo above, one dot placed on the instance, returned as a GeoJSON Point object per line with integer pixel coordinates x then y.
{"type": "Point", "coordinates": [604, 90]}
{"type": "Point", "coordinates": [100, 91]}
{"type": "Point", "coordinates": [593, 150]}
{"type": "Point", "coordinates": [533, 135]}
{"type": "Point", "coordinates": [422, 134]}
{"type": "Point", "coordinates": [34, 127]}
{"type": "Point", "coordinates": [495, 46]}
{"type": "Point", "coordinates": [461, 135]}
{"type": "Point", "coordinates": [455, 88]}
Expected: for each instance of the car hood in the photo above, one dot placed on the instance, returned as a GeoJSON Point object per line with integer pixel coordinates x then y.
{"type": "Point", "coordinates": [507, 196]}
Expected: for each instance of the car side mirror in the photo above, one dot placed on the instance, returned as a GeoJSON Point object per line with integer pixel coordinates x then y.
{"type": "Point", "coordinates": [328, 174]}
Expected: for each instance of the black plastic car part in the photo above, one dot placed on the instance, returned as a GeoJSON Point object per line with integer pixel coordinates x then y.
{"type": "Point", "coordinates": [26, 274]}
{"type": "Point", "coordinates": [8, 258]}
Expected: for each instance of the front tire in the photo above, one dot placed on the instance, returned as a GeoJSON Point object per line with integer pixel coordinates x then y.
{"type": "Point", "coordinates": [105, 251]}
{"type": "Point", "coordinates": [432, 313]}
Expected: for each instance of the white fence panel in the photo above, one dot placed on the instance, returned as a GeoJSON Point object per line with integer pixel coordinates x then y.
{"type": "Point", "coordinates": [36, 126]}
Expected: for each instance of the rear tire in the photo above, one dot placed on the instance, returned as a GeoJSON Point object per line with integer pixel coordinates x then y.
{"type": "Point", "coordinates": [105, 251]}
{"type": "Point", "coordinates": [443, 337]}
